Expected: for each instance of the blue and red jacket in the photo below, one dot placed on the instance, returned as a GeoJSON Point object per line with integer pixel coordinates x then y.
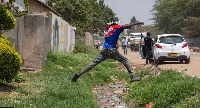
{"type": "Point", "coordinates": [112, 35]}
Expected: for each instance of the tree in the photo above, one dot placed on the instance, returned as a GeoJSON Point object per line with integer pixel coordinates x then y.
{"type": "Point", "coordinates": [133, 20]}
{"type": "Point", "coordinates": [171, 16]}
{"type": "Point", "coordinates": [152, 29]}
{"type": "Point", "coordinates": [85, 15]}
{"type": "Point", "coordinates": [193, 27]}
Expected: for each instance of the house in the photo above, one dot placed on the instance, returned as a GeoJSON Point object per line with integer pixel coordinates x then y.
{"type": "Point", "coordinates": [39, 31]}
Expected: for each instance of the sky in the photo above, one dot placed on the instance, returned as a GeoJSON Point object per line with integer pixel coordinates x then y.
{"type": "Point", "coordinates": [126, 9]}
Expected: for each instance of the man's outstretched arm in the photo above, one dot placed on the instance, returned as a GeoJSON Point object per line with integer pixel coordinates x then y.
{"type": "Point", "coordinates": [128, 26]}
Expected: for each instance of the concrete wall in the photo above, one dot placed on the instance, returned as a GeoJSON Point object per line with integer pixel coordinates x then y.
{"type": "Point", "coordinates": [73, 38]}
{"type": "Point", "coordinates": [38, 32]}
{"type": "Point", "coordinates": [37, 40]}
{"type": "Point", "coordinates": [89, 38]}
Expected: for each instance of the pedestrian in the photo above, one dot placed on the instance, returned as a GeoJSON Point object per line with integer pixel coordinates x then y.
{"type": "Point", "coordinates": [125, 44]}
{"type": "Point", "coordinates": [148, 43]}
{"type": "Point", "coordinates": [109, 50]}
{"type": "Point", "coordinates": [140, 47]}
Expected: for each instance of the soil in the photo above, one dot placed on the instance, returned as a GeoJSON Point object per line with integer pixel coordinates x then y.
{"type": "Point", "coordinates": [191, 69]}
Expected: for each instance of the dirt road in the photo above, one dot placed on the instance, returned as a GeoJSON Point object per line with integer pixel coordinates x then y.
{"type": "Point", "coordinates": [189, 69]}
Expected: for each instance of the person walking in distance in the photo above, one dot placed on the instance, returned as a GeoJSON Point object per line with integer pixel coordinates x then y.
{"type": "Point", "coordinates": [109, 50]}
{"type": "Point", "coordinates": [147, 44]}
{"type": "Point", "coordinates": [125, 44]}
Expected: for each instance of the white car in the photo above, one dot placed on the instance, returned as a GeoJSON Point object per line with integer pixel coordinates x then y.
{"type": "Point", "coordinates": [170, 47]}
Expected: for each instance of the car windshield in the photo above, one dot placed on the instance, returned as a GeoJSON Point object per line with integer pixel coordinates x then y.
{"type": "Point", "coordinates": [170, 39]}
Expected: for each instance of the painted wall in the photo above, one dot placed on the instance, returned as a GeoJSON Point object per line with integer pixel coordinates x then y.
{"type": "Point", "coordinates": [62, 35]}
{"type": "Point", "coordinates": [39, 32]}
{"type": "Point", "coordinates": [68, 38]}
{"type": "Point", "coordinates": [58, 29]}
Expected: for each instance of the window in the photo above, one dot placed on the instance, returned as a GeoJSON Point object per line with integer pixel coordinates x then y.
{"type": "Point", "coordinates": [171, 39]}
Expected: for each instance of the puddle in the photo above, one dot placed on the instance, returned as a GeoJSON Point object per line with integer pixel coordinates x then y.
{"type": "Point", "coordinates": [108, 96]}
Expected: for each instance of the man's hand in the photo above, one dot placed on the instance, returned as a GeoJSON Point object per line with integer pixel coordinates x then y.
{"type": "Point", "coordinates": [139, 23]}
{"type": "Point", "coordinates": [128, 26]}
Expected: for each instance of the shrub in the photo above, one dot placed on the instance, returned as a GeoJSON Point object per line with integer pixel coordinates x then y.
{"type": "Point", "coordinates": [81, 47]}
{"type": "Point", "coordinates": [5, 41]}
{"type": "Point", "coordinates": [10, 62]}
{"type": "Point", "coordinates": [7, 20]}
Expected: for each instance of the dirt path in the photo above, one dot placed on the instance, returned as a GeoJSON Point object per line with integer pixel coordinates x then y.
{"type": "Point", "coordinates": [189, 69]}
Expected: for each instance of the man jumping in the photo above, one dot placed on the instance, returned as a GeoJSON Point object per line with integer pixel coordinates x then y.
{"type": "Point", "coordinates": [109, 50]}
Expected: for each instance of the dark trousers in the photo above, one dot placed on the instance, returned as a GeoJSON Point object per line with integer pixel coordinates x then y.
{"type": "Point", "coordinates": [107, 54]}
{"type": "Point", "coordinates": [147, 55]}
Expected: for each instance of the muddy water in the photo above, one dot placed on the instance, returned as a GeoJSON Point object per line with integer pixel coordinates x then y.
{"type": "Point", "coordinates": [108, 96]}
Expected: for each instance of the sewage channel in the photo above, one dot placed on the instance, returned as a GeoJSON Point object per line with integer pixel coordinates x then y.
{"type": "Point", "coordinates": [108, 96]}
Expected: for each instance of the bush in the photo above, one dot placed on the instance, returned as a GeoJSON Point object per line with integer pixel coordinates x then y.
{"type": "Point", "coordinates": [7, 20]}
{"type": "Point", "coordinates": [5, 41]}
{"type": "Point", "coordinates": [10, 62]}
{"type": "Point", "coordinates": [81, 47]}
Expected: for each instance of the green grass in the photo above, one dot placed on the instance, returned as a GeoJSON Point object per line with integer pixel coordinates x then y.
{"type": "Point", "coordinates": [142, 73]}
{"type": "Point", "coordinates": [170, 89]}
{"type": "Point", "coordinates": [52, 87]}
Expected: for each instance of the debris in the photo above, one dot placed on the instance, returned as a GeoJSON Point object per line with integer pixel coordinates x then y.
{"type": "Point", "coordinates": [149, 105]}
{"type": "Point", "coordinates": [110, 95]}
{"type": "Point", "coordinates": [71, 68]}
{"type": "Point", "coordinates": [28, 69]}
{"type": "Point", "coordinates": [185, 70]}
{"type": "Point", "coordinates": [118, 92]}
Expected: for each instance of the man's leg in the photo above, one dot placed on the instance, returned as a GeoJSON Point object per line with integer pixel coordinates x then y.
{"type": "Point", "coordinates": [126, 49]}
{"type": "Point", "coordinates": [117, 56]}
{"type": "Point", "coordinates": [147, 56]}
{"type": "Point", "coordinates": [98, 60]}
{"type": "Point", "coordinates": [140, 52]}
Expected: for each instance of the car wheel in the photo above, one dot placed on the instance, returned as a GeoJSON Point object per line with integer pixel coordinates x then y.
{"type": "Point", "coordinates": [187, 61]}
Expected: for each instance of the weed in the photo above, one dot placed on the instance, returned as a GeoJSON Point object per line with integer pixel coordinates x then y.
{"type": "Point", "coordinates": [52, 87]}
{"type": "Point", "coordinates": [165, 90]}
